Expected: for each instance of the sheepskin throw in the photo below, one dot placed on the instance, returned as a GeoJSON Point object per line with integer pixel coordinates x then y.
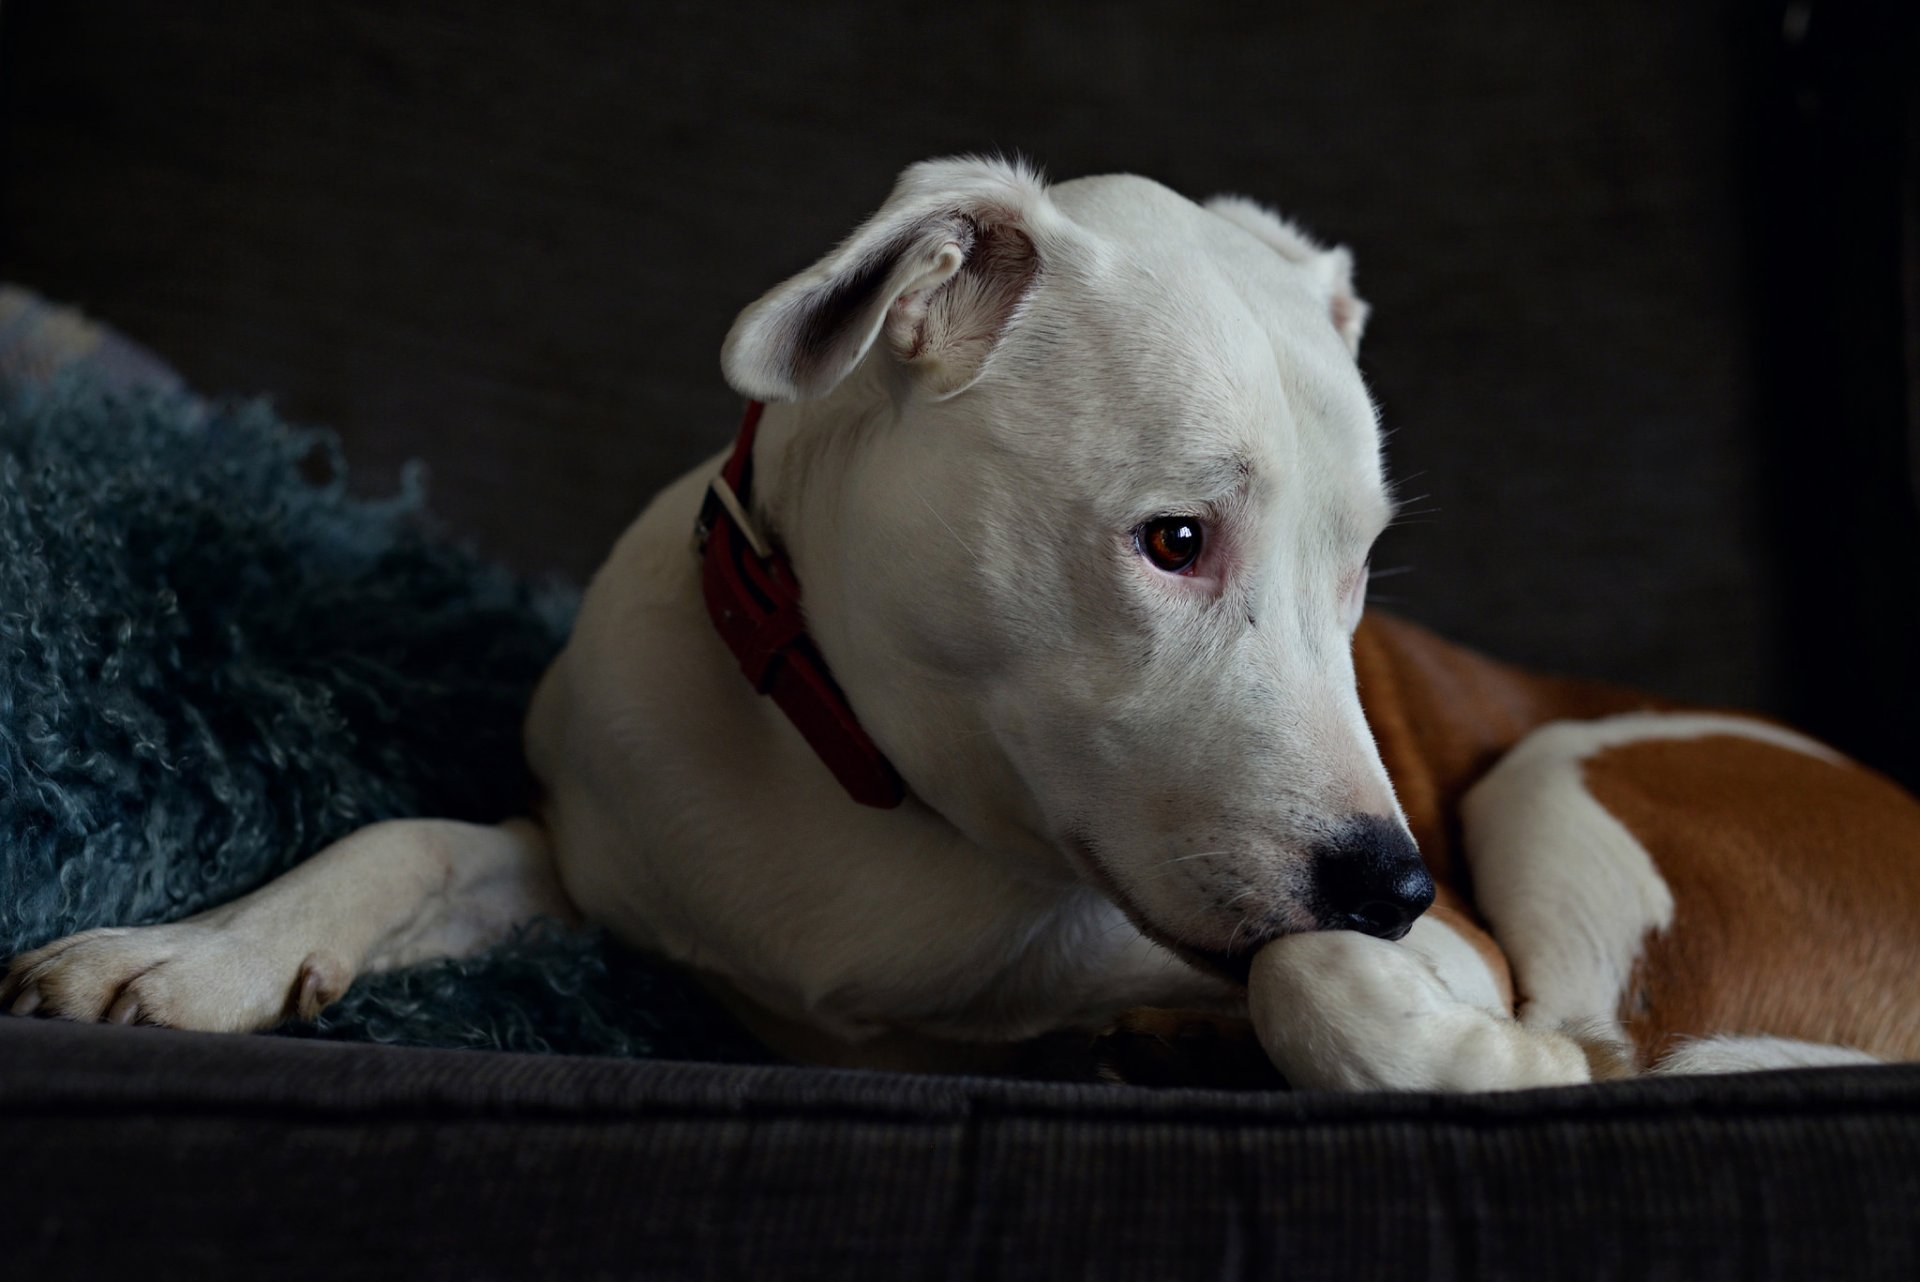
{"type": "Point", "coordinates": [214, 660]}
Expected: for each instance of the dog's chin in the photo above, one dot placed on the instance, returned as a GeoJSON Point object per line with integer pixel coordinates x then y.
{"type": "Point", "coordinates": [1234, 967]}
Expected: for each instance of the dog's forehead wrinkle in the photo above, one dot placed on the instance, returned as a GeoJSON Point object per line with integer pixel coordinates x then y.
{"type": "Point", "coordinates": [1179, 423]}
{"type": "Point", "coordinates": [1191, 387]}
{"type": "Point", "coordinates": [1182, 442]}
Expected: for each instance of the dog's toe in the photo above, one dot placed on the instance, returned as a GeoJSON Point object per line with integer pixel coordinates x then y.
{"type": "Point", "coordinates": [125, 1009]}
{"type": "Point", "coordinates": [183, 975]}
{"type": "Point", "coordinates": [27, 1001]}
{"type": "Point", "coordinates": [196, 974]}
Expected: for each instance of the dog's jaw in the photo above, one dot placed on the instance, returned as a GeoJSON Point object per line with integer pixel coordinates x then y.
{"type": "Point", "coordinates": [1233, 967]}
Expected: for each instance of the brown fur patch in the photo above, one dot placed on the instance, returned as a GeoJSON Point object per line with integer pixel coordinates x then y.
{"type": "Point", "coordinates": [1444, 715]}
{"type": "Point", "coordinates": [1796, 887]}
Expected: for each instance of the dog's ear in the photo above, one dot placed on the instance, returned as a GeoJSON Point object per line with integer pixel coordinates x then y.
{"type": "Point", "coordinates": [938, 275]}
{"type": "Point", "coordinates": [1332, 269]}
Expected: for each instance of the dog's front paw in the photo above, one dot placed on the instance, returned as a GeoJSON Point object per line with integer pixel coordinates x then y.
{"type": "Point", "coordinates": [1342, 1011]}
{"type": "Point", "coordinates": [196, 974]}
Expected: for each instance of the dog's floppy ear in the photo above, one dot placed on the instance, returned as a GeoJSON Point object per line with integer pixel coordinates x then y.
{"type": "Point", "coordinates": [938, 274]}
{"type": "Point", "coordinates": [1332, 269]}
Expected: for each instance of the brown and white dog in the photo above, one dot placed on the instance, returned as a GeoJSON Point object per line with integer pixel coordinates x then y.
{"type": "Point", "coordinates": [1081, 716]}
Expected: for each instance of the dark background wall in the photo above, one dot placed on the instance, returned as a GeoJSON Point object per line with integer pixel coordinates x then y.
{"type": "Point", "coordinates": [1643, 273]}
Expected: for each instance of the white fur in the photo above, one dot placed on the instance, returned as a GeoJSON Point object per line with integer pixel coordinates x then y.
{"type": "Point", "coordinates": [969, 574]}
{"type": "Point", "coordinates": [1571, 896]}
{"type": "Point", "coordinates": [1730, 1054]}
{"type": "Point", "coordinates": [1332, 270]}
{"type": "Point", "coordinates": [389, 895]}
{"type": "Point", "coordinates": [1341, 1011]}
{"type": "Point", "coordinates": [984, 392]}
{"type": "Point", "coordinates": [1570, 893]}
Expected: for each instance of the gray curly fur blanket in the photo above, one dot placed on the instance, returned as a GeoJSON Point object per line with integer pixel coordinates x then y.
{"type": "Point", "coordinates": [211, 666]}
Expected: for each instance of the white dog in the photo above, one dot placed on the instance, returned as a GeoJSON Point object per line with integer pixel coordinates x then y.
{"type": "Point", "coordinates": [1080, 483]}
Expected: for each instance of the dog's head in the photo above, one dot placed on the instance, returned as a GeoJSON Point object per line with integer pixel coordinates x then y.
{"type": "Point", "coordinates": [1081, 481]}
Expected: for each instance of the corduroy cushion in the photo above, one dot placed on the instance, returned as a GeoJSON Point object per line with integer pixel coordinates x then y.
{"type": "Point", "coordinates": [142, 1152]}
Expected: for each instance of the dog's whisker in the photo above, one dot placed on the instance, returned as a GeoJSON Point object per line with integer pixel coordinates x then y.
{"type": "Point", "coordinates": [1163, 869]}
{"type": "Point", "coordinates": [1403, 504]}
{"type": "Point", "coordinates": [1182, 859]}
{"type": "Point", "coordinates": [1409, 516]}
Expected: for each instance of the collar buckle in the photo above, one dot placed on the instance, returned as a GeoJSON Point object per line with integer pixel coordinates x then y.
{"type": "Point", "coordinates": [721, 491]}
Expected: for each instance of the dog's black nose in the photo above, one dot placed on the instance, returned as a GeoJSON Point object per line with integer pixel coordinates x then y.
{"type": "Point", "coordinates": [1370, 878]}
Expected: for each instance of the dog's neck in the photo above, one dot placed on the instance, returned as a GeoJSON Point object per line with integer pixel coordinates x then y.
{"type": "Point", "coordinates": [753, 598]}
{"type": "Point", "coordinates": [808, 458]}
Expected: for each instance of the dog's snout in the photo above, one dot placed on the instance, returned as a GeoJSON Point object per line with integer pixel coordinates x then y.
{"type": "Point", "coordinates": [1370, 878]}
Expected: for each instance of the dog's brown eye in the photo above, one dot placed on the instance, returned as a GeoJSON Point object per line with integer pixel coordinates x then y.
{"type": "Point", "coordinates": [1172, 543]}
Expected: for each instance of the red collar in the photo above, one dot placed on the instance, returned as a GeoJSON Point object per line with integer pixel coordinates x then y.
{"type": "Point", "coordinates": [754, 600]}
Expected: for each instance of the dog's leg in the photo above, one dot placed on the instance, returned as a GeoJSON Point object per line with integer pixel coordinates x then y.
{"type": "Point", "coordinates": [1337, 1010]}
{"type": "Point", "coordinates": [389, 895]}
{"type": "Point", "coordinates": [1573, 895]}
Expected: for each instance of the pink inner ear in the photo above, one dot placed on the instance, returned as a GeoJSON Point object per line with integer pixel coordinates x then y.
{"type": "Point", "coordinates": [906, 330]}
{"type": "Point", "coordinates": [956, 327]}
{"type": "Point", "coordinates": [1344, 312]}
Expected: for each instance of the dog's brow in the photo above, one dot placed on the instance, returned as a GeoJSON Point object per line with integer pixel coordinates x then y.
{"type": "Point", "coordinates": [1219, 473]}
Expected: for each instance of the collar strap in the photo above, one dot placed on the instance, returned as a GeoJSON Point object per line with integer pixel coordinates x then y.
{"type": "Point", "coordinates": [753, 598]}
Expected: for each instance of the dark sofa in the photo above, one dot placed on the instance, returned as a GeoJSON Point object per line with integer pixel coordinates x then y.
{"type": "Point", "coordinates": [163, 1154]}
{"type": "Point", "coordinates": [1645, 281]}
